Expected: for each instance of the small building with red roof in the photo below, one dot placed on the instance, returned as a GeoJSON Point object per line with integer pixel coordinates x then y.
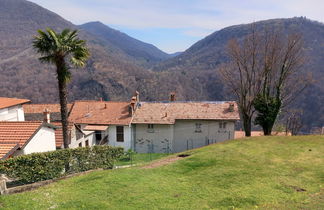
{"type": "Point", "coordinates": [11, 109]}
{"type": "Point", "coordinates": [22, 138]}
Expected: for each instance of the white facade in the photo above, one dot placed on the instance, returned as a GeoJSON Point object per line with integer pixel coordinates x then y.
{"type": "Point", "coordinates": [42, 141]}
{"type": "Point", "coordinates": [183, 135]}
{"type": "Point", "coordinates": [14, 113]}
{"type": "Point", "coordinates": [89, 137]}
{"type": "Point", "coordinates": [156, 139]}
{"type": "Point", "coordinates": [112, 137]}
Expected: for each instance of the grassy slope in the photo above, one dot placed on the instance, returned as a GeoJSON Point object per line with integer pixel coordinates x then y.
{"type": "Point", "coordinates": [263, 172]}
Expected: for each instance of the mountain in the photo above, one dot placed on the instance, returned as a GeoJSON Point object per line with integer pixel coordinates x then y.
{"type": "Point", "coordinates": [144, 53]}
{"type": "Point", "coordinates": [208, 54]}
{"type": "Point", "coordinates": [111, 73]}
{"type": "Point", "coordinates": [114, 71]}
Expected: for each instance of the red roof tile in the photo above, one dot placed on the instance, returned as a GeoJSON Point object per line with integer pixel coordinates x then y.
{"type": "Point", "coordinates": [40, 108]}
{"type": "Point", "coordinates": [167, 113]}
{"type": "Point", "coordinates": [59, 133]}
{"type": "Point", "coordinates": [8, 102]}
{"type": "Point", "coordinates": [14, 134]}
{"type": "Point", "coordinates": [100, 113]}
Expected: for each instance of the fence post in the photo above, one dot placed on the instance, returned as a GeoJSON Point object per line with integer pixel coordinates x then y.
{"type": "Point", "coordinates": [3, 186]}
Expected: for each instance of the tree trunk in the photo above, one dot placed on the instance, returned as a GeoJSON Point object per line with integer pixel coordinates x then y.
{"type": "Point", "coordinates": [247, 120]}
{"type": "Point", "coordinates": [64, 112]}
{"type": "Point", "coordinates": [62, 85]}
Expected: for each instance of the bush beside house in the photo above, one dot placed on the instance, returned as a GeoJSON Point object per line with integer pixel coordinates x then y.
{"type": "Point", "coordinates": [49, 165]}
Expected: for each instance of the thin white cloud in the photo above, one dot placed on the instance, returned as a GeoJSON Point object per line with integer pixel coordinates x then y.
{"type": "Point", "coordinates": [200, 14]}
{"type": "Point", "coordinates": [196, 18]}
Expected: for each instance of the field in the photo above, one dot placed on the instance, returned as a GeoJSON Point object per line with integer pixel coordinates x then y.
{"type": "Point", "coordinates": [259, 172]}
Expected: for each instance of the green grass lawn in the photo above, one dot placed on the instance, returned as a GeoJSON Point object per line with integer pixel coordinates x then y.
{"type": "Point", "coordinates": [261, 172]}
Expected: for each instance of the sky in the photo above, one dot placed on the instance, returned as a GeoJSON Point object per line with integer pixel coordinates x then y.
{"type": "Point", "coordinates": [174, 25]}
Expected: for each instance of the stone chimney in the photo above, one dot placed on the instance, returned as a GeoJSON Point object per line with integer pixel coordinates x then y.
{"type": "Point", "coordinates": [231, 107]}
{"type": "Point", "coordinates": [172, 96]}
{"type": "Point", "coordinates": [47, 116]}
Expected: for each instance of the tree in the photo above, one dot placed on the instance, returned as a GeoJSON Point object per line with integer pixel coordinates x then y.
{"type": "Point", "coordinates": [282, 59]}
{"type": "Point", "coordinates": [63, 50]}
{"type": "Point", "coordinates": [263, 74]}
{"type": "Point", "coordinates": [242, 75]}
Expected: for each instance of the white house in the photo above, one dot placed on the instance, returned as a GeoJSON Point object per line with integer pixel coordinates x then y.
{"type": "Point", "coordinates": [101, 122]}
{"type": "Point", "coordinates": [21, 138]}
{"type": "Point", "coordinates": [163, 127]}
{"type": "Point", "coordinates": [11, 109]}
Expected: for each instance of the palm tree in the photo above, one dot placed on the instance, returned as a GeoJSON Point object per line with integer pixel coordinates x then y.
{"type": "Point", "coordinates": [63, 50]}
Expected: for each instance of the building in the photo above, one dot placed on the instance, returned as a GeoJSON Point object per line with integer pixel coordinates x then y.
{"type": "Point", "coordinates": [163, 127]}
{"type": "Point", "coordinates": [101, 122]}
{"type": "Point", "coordinates": [11, 109]}
{"type": "Point", "coordinates": [38, 112]}
{"type": "Point", "coordinates": [21, 138]}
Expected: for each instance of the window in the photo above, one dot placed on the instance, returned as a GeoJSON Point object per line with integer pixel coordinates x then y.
{"type": "Point", "coordinates": [222, 125]}
{"type": "Point", "coordinates": [198, 128]}
{"type": "Point", "coordinates": [120, 133]}
{"type": "Point", "coordinates": [150, 128]}
{"type": "Point", "coordinates": [80, 144]}
{"type": "Point", "coordinates": [98, 135]}
{"type": "Point", "coordinates": [87, 143]}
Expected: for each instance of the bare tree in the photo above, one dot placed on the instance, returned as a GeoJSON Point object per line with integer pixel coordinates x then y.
{"type": "Point", "coordinates": [294, 121]}
{"type": "Point", "coordinates": [243, 75]}
{"type": "Point", "coordinates": [264, 75]}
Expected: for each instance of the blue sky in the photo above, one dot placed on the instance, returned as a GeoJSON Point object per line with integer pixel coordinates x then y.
{"type": "Point", "coordinates": [174, 25]}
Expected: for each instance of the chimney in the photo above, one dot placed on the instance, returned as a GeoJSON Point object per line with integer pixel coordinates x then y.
{"type": "Point", "coordinates": [131, 107]}
{"type": "Point", "coordinates": [231, 107]}
{"type": "Point", "coordinates": [100, 99]}
{"type": "Point", "coordinates": [172, 96]}
{"type": "Point", "coordinates": [47, 116]}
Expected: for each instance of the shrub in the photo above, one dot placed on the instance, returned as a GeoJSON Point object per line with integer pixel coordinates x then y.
{"type": "Point", "coordinates": [48, 165]}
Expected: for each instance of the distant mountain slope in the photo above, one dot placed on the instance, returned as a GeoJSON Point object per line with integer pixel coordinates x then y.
{"type": "Point", "coordinates": [142, 52]}
{"type": "Point", "coordinates": [110, 73]}
{"type": "Point", "coordinates": [205, 56]}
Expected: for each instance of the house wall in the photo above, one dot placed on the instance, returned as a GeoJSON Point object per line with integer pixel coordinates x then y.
{"type": "Point", "coordinates": [43, 141]}
{"type": "Point", "coordinates": [14, 113]}
{"type": "Point", "coordinates": [157, 140]}
{"type": "Point", "coordinates": [78, 137]}
{"type": "Point", "coordinates": [186, 137]}
{"type": "Point", "coordinates": [127, 144]}
{"type": "Point", "coordinates": [110, 132]}
{"type": "Point", "coordinates": [181, 136]}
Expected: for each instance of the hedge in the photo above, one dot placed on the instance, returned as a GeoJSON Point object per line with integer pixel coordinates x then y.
{"type": "Point", "coordinates": [49, 165]}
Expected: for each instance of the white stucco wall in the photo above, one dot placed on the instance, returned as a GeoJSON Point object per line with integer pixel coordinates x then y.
{"type": "Point", "coordinates": [127, 144]}
{"type": "Point", "coordinates": [186, 137]}
{"type": "Point", "coordinates": [181, 136]}
{"type": "Point", "coordinates": [14, 113]}
{"type": "Point", "coordinates": [43, 141]}
{"type": "Point", "coordinates": [158, 140]}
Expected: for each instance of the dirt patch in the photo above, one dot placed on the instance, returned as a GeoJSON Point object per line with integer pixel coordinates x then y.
{"type": "Point", "coordinates": [163, 162]}
{"type": "Point", "coordinates": [298, 189]}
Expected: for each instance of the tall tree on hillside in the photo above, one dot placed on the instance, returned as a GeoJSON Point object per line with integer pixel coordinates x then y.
{"type": "Point", "coordinates": [263, 74]}
{"type": "Point", "coordinates": [281, 81]}
{"type": "Point", "coordinates": [63, 50]}
{"type": "Point", "coordinates": [243, 76]}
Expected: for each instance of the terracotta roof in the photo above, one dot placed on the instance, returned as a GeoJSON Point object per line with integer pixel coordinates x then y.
{"type": "Point", "coordinates": [34, 112]}
{"type": "Point", "coordinates": [168, 112]}
{"type": "Point", "coordinates": [59, 133]}
{"type": "Point", "coordinates": [15, 135]}
{"type": "Point", "coordinates": [8, 102]}
{"type": "Point", "coordinates": [100, 113]}
{"type": "Point", "coordinates": [40, 108]}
